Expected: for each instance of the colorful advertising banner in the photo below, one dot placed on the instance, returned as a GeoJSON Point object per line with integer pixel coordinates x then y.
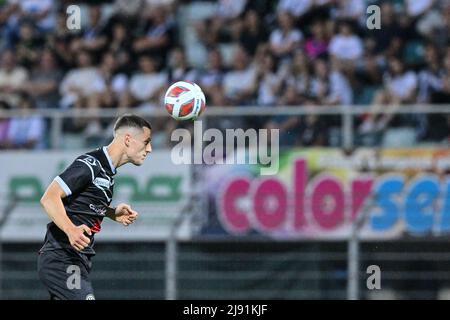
{"type": "Point", "coordinates": [157, 190]}
{"type": "Point", "coordinates": [318, 193]}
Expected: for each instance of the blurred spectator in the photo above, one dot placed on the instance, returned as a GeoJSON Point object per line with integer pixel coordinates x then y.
{"type": "Point", "coordinates": [352, 10]}
{"type": "Point", "coordinates": [399, 87]}
{"type": "Point", "coordinates": [8, 23]}
{"type": "Point", "coordinates": [317, 44]}
{"type": "Point", "coordinates": [379, 39]}
{"type": "Point", "coordinates": [150, 4]}
{"type": "Point", "coordinates": [369, 71]}
{"type": "Point", "coordinates": [269, 80]}
{"type": "Point", "coordinates": [12, 78]}
{"type": "Point", "coordinates": [41, 11]}
{"type": "Point", "coordinates": [211, 78]}
{"type": "Point", "coordinates": [73, 88]}
{"type": "Point", "coordinates": [346, 47]}
{"type": "Point", "coordinates": [330, 87]}
{"type": "Point", "coordinates": [93, 39]}
{"type": "Point", "coordinates": [430, 20]}
{"type": "Point", "coordinates": [285, 38]}
{"type": "Point", "coordinates": [28, 46]}
{"type": "Point", "coordinates": [441, 34]}
{"type": "Point", "coordinates": [416, 8]}
{"type": "Point", "coordinates": [127, 8]}
{"type": "Point", "coordinates": [434, 87]}
{"type": "Point", "coordinates": [116, 82]}
{"type": "Point", "coordinates": [27, 130]}
{"type": "Point", "coordinates": [430, 79]}
{"type": "Point", "coordinates": [219, 27]}
{"type": "Point", "coordinates": [400, 83]}
{"type": "Point", "coordinates": [254, 32]}
{"type": "Point", "coordinates": [158, 36]}
{"type": "Point", "coordinates": [43, 83]}
{"type": "Point", "coordinates": [178, 68]}
{"type": "Point", "coordinates": [298, 75]}
{"type": "Point", "coordinates": [229, 9]}
{"type": "Point", "coordinates": [146, 85]}
{"type": "Point", "coordinates": [240, 82]}
{"type": "Point", "coordinates": [312, 131]}
{"type": "Point", "coordinates": [60, 41]}
{"type": "Point", "coordinates": [4, 127]}
{"type": "Point", "coordinates": [120, 43]}
{"type": "Point", "coordinates": [288, 126]}
{"type": "Point", "coordinates": [296, 7]}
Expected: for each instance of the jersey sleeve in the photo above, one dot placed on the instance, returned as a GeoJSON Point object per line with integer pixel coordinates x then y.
{"type": "Point", "coordinates": [77, 176]}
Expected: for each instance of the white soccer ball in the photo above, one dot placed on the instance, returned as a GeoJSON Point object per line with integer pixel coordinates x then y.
{"type": "Point", "coordinates": [184, 100]}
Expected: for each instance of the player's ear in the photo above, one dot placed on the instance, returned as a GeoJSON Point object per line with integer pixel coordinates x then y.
{"type": "Point", "coordinates": [127, 139]}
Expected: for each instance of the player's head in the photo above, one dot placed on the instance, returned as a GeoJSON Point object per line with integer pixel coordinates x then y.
{"type": "Point", "coordinates": [133, 133]}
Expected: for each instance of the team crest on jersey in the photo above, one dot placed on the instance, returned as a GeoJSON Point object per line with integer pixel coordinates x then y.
{"type": "Point", "coordinates": [91, 160]}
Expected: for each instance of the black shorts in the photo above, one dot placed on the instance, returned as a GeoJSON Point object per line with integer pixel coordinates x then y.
{"type": "Point", "coordinates": [65, 274]}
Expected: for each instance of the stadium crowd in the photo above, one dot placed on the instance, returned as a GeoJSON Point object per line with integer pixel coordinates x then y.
{"type": "Point", "coordinates": [242, 53]}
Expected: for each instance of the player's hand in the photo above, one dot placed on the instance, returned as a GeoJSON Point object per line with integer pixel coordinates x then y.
{"type": "Point", "coordinates": [125, 215]}
{"type": "Point", "coordinates": [77, 238]}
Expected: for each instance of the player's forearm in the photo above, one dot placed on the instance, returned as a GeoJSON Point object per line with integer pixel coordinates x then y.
{"type": "Point", "coordinates": [57, 213]}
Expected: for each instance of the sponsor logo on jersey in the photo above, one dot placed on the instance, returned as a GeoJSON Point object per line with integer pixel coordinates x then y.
{"type": "Point", "coordinates": [101, 210]}
{"type": "Point", "coordinates": [101, 182]}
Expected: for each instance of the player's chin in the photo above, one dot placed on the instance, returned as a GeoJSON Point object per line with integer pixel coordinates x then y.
{"type": "Point", "coordinates": [138, 162]}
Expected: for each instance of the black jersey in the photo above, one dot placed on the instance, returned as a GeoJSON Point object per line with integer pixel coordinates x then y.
{"type": "Point", "coordinates": [88, 183]}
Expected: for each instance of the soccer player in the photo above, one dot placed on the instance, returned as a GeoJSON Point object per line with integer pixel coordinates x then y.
{"type": "Point", "coordinates": [77, 201]}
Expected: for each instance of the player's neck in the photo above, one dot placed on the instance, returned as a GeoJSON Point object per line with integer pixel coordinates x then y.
{"type": "Point", "coordinates": [116, 155]}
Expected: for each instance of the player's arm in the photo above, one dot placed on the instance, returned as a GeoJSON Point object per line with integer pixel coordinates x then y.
{"type": "Point", "coordinates": [122, 214]}
{"type": "Point", "coordinates": [53, 205]}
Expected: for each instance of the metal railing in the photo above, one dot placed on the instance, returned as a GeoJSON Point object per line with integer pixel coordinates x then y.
{"type": "Point", "coordinates": [346, 112]}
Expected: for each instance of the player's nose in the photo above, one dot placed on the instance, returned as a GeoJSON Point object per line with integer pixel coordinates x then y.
{"type": "Point", "coordinates": [148, 148]}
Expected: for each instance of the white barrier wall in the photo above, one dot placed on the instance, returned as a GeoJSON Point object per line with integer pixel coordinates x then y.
{"type": "Point", "coordinates": [157, 190]}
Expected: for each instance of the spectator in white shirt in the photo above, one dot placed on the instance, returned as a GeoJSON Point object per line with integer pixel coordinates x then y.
{"type": "Point", "coordinates": [147, 84]}
{"type": "Point", "coordinates": [330, 87]}
{"type": "Point", "coordinates": [230, 9]}
{"type": "Point", "coordinates": [296, 7]}
{"type": "Point", "coordinates": [82, 86]}
{"type": "Point", "coordinates": [269, 80]}
{"type": "Point", "coordinates": [400, 87]}
{"type": "Point", "coordinates": [351, 9]}
{"type": "Point", "coordinates": [346, 47]}
{"type": "Point", "coordinates": [285, 39]}
{"type": "Point", "coordinates": [12, 79]}
{"type": "Point", "coordinates": [41, 12]}
{"type": "Point", "coordinates": [211, 78]}
{"type": "Point", "coordinates": [239, 83]}
{"type": "Point", "coordinates": [415, 8]}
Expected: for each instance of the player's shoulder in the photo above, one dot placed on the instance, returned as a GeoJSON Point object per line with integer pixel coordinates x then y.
{"type": "Point", "coordinates": [91, 159]}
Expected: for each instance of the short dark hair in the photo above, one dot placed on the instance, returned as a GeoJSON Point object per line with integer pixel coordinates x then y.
{"type": "Point", "coordinates": [131, 120]}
